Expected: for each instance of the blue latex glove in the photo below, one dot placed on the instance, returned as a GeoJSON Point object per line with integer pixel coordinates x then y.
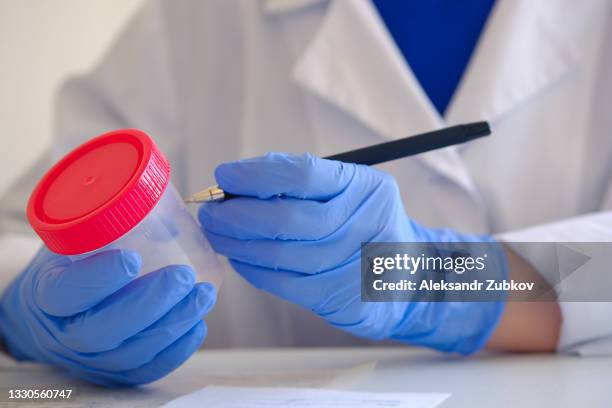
{"type": "Point", "coordinates": [297, 234]}
{"type": "Point", "coordinates": [97, 320]}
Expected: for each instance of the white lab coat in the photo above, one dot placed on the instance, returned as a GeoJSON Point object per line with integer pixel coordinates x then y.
{"type": "Point", "coordinates": [219, 80]}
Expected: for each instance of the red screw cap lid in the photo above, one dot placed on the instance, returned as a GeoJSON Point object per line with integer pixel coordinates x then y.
{"type": "Point", "coordinates": [98, 192]}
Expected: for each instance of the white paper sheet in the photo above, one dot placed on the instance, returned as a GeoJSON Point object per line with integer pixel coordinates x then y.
{"type": "Point", "coordinates": [255, 397]}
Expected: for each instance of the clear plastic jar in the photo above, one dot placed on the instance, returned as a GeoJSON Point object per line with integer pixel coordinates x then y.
{"type": "Point", "coordinates": [114, 192]}
{"type": "Point", "coordinates": [169, 235]}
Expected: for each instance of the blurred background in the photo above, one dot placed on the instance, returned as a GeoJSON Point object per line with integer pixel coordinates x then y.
{"type": "Point", "coordinates": [43, 41]}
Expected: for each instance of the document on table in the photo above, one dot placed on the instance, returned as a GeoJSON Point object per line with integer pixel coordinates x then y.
{"type": "Point", "coordinates": [256, 397]}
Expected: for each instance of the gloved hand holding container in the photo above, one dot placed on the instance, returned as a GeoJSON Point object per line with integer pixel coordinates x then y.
{"type": "Point", "coordinates": [114, 192]}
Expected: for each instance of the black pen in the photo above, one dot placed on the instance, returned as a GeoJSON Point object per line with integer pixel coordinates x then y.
{"type": "Point", "coordinates": [383, 152]}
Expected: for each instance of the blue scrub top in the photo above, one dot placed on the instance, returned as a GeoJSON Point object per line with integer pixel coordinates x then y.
{"type": "Point", "coordinates": [437, 38]}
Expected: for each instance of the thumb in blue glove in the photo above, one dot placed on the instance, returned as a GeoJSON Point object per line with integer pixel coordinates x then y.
{"type": "Point", "coordinates": [297, 230]}
{"type": "Point", "coordinates": [97, 320]}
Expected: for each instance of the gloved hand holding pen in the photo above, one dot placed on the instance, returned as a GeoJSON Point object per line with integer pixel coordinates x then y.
{"type": "Point", "coordinates": [296, 232]}
{"type": "Point", "coordinates": [97, 320]}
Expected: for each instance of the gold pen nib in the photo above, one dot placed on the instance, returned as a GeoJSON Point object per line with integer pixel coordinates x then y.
{"type": "Point", "coordinates": [212, 193]}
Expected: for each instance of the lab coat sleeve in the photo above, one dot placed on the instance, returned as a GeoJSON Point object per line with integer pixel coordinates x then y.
{"type": "Point", "coordinates": [587, 326]}
{"type": "Point", "coordinates": [18, 243]}
{"type": "Point", "coordinates": [132, 86]}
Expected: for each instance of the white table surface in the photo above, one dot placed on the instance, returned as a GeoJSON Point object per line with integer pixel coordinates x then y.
{"type": "Point", "coordinates": [480, 381]}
